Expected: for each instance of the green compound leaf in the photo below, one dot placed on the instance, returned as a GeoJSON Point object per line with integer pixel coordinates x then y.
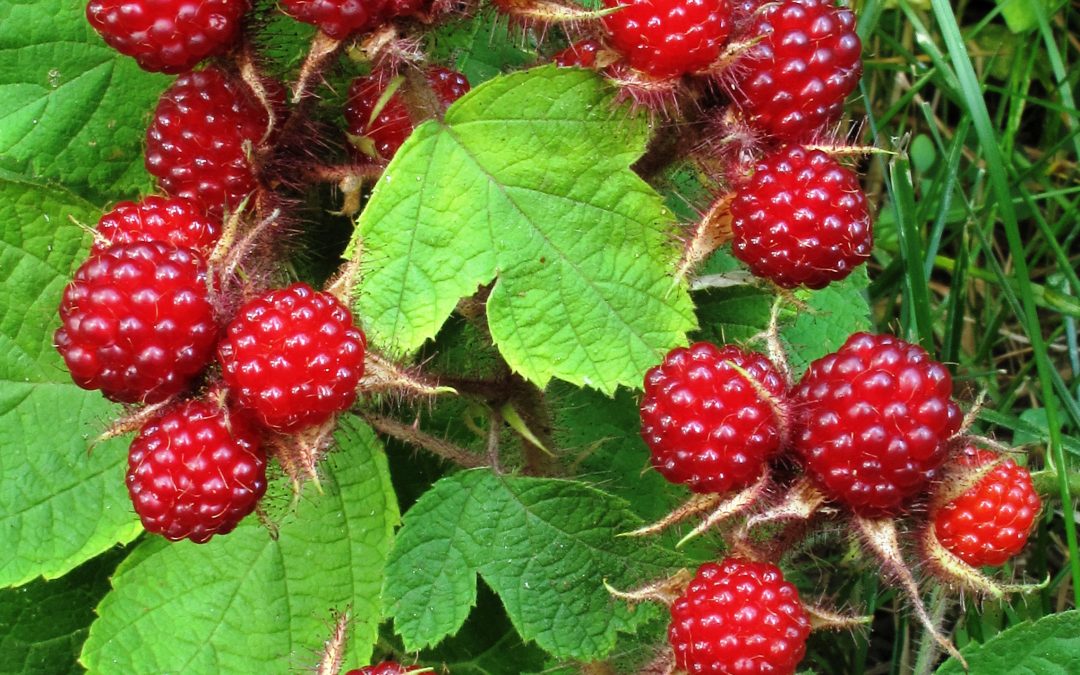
{"type": "Point", "coordinates": [43, 624]}
{"type": "Point", "coordinates": [1049, 646]}
{"type": "Point", "coordinates": [545, 546]}
{"type": "Point", "coordinates": [72, 110]}
{"type": "Point", "coordinates": [247, 603]}
{"type": "Point", "coordinates": [59, 505]}
{"type": "Point", "coordinates": [526, 182]}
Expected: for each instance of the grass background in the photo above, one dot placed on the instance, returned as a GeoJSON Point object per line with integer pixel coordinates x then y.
{"type": "Point", "coordinates": [976, 259]}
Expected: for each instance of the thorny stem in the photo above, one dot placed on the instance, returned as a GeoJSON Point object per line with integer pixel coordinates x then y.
{"type": "Point", "coordinates": [334, 648]}
{"type": "Point", "coordinates": [436, 446]}
{"type": "Point", "coordinates": [928, 652]}
{"type": "Point", "coordinates": [343, 172]}
{"type": "Point", "coordinates": [494, 431]}
{"type": "Point", "coordinates": [881, 537]}
{"type": "Point", "coordinates": [322, 47]}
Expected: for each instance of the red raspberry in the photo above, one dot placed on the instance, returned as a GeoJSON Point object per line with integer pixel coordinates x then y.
{"type": "Point", "coordinates": [388, 127]}
{"type": "Point", "coordinates": [339, 19]}
{"type": "Point", "coordinates": [396, 8]}
{"type": "Point", "coordinates": [293, 357]}
{"type": "Point", "coordinates": [195, 143]}
{"type": "Point", "coordinates": [174, 221]}
{"type": "Point", "coordinates": [194, 471]}
{"type": "Point", "coordinates": [581, 54]}
{"type": "Point", "coordinates": [989, 523]}
{"type": "Point", "coordinates": [707, 425]}
{"type": "Point", "coordinates": [801, 219]}
{"type": "Point", "coordinates": [873, 421]}
{"type": "Point", "coordinates": [738, 617]}
{"type": "Point", "coordinates": [384, 668]}
{"type": "Point", "coordinates": [168, 36]}
{"type": "Point", "coordinates": [137, 322]}
{"type": "Point", "coordinates": [668, 38]}
{"type": "Point", "coordinates": [794, 79]}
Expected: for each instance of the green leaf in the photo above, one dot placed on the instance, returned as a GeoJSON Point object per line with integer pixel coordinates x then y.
{"type": "Point", "coordinates": [830, 317]}
{"type": "Point", "coordinates": [821, 325]}
{"type": "Point", "coordinates": [545, 546]}
{"type": "Point", "coordinates": [480, 46]}
{"type": "Point", "coordinates": [43, 624]}
{"type": "Point", "coordinates": [246, 602]}
{"type": "Point", "coordinates": [72, 110]}
{"type": "Point", "coordinates": [59, 505]}
{"type": "Point", "coordinates": [1022, 16]}
{"type": "Point", "coordinates": [526, 182]}
{"type": "Point", "coordinates": [486, 645]}
{"type": "Point", "coordinates": [602, 435]}
{"type": "Point", "coordinates": [1049, 646]}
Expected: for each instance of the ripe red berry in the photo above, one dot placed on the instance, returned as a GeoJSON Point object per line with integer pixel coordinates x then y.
{"type": "Point", "coordinates": [668, 38]}
{"type": "Point", "coordinates": [990, 522]}
{"type": "Point", "coordinates": [137, 322]}
{"type": "Point", "coordinates": [801, 219]}
{"type": "Point", "coordinates": [738, 617]}
{"type": "Point", "coordinates": [806, 60]}
{"type": "Point", "coordinates": [293, 357]}
{"type": "Point", "coordinates": [195, 145]}
{"type": "Point", "coordinates": [581, 54]}
{"type": "Point", "coordinates": [388, 127]}
{"type": "Point", "coordinates": [194, 471]}
{"type": "Point", "coordinates": [339, 19]}
{"type": "Point", "coordinates": [396, 8]}
{"type": "Point", "coordinates": [169, 36]}
{"type": "Point", "coordinates": [873, 420]}
{"type": "Point", "coordinates": [174, 221]}
{"type": "Point", "coordinates": [384, 668]}
{"type": "Point", "coordinates": [707, 425]}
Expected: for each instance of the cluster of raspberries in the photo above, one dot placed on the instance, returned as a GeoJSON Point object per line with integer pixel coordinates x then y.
{"type": "Point", "coordinates": [798, 217]}
{"type": "Point", "coordinates": [140, 322]}
{"type": "Point", "coordinates": [872, 425]}
{"type": "Point", "coordinates": [144, 321]}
